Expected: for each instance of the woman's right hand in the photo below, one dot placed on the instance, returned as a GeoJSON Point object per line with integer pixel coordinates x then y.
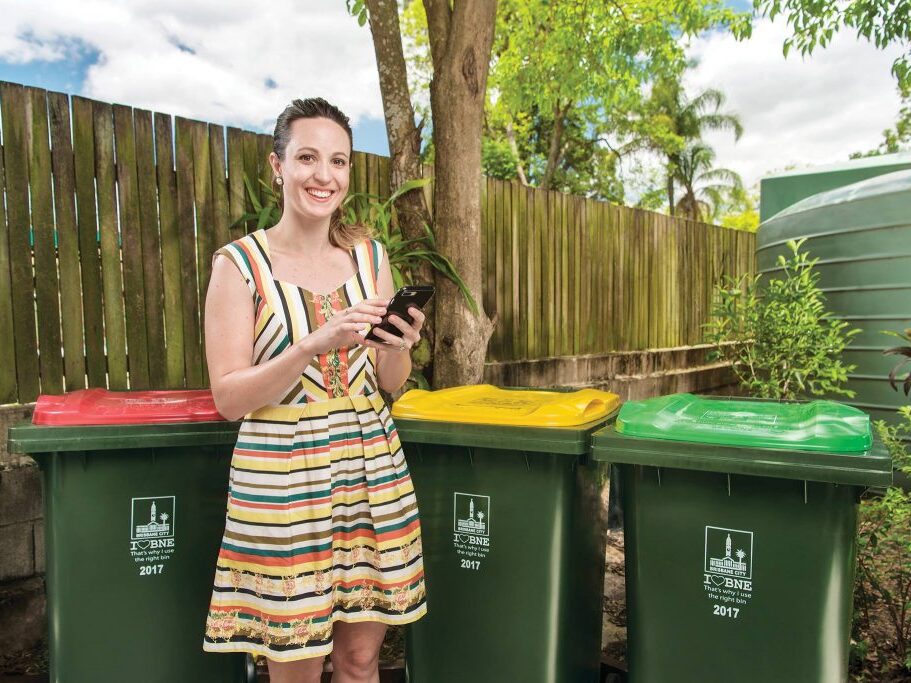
{"type": "Point", "coordinates": [346, 328]}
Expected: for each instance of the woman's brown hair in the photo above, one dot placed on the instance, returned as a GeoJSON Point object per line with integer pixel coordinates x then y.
{"type": "Point", "coordinates": [340, 233]}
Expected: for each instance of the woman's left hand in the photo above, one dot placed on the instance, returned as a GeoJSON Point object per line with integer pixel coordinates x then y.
{"type": "Point", "coordinates": [411, 334]}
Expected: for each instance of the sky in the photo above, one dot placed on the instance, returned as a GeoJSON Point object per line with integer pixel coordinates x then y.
{"type": "Point", "coordinates": [234, 63]}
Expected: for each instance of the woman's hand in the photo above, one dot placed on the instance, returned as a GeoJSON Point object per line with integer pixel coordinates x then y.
{"type": "Point", "coordinates": [411, 334]}
{"type": "Point", "coordinates": [345, 328]}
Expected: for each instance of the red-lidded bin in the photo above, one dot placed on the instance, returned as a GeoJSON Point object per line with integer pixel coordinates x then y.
{"type": "Point", "coordinates": [135, 490]}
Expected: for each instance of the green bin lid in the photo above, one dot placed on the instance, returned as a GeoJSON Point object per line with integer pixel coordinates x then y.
{"type": "Point", "coordinates": [806, 426]}
{"type": "Point", "coordinates": [813, 441]}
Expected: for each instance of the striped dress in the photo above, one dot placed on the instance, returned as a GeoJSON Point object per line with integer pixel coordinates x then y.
{"type": "Point", "coordinates": [322, 523]}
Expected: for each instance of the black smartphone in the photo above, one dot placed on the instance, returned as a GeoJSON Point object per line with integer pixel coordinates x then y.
{"type": "Point", "coordinates": [401, 301]}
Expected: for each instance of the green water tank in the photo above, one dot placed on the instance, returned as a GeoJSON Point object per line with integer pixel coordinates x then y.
{"type": "Point", "coordinates": [780, 191]}
{"type": "Point", "coordinates": [861, 234]}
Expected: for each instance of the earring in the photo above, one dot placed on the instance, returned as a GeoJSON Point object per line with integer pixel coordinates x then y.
{"type": "Point", "coordinates": [279, 181]}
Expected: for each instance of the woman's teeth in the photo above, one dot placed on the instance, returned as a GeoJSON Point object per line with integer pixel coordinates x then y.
{"type": "Point", "coordinates": [320, 194]}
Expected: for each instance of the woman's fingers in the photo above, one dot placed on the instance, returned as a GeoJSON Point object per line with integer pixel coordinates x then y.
{"type": "Point", "coordinates": [389, 338]}
{"type": "Point", "coordinates": [410, 332]}
{"type": "Point", "coordinates": [418, 316]}
{"type": "Point", "coordinates": [384, 335]}
{"type": "Point", "coordinates": [363, 318]}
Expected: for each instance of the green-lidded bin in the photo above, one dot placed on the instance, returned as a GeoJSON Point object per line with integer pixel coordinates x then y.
{"type": "Point", "coordinates": [135, 505]}
{"type": "Point", "coordinates": [740, 519]}
{"type": "Point", "coordinates": [512, 526]}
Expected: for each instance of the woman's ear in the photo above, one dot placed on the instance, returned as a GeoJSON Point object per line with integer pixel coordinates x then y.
{"type": "Point", "coordinates": [276, 165]}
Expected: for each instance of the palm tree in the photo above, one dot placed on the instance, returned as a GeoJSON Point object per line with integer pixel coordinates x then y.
{"type": "Point", "coordinates": [672, 121]}
{"type": "Point", "coordinates": [703, 185]}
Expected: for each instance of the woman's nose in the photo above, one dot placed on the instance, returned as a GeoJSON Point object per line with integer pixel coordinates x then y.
{"type": "Point", "coordinates": [322, 173]}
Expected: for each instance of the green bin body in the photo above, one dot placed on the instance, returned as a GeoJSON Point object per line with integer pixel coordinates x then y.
{"type": "Point", "coordinates": [127, 599]}
{"type": "Point", "coordinates": [740, 558]}
{"type": "Point", "coordinates": [519, 600]}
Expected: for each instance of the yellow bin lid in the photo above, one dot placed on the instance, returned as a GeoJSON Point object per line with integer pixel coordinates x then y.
{"type": "Point", "coordinates": [486, 404]}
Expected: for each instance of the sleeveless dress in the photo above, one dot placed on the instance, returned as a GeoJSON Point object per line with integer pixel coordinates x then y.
{"type": "Point", "coordinates": [322, 522]}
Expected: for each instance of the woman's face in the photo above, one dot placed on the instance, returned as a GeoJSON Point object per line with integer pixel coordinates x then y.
{"type": "Point", "coordinates": [316, 168]}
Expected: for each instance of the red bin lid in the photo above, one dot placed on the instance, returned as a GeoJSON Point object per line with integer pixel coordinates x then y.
{"type": "Point", "coordinates": [103, 407]}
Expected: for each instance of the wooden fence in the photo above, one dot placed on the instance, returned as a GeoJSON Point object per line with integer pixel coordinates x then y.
{"type": "Point", "coordinates": [111, 215]}
{"type": "Point", "coordinates": [569, 275]}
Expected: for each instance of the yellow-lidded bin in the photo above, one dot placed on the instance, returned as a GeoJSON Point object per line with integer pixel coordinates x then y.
{"type": "Point", "coordinates": [486, 404]}
{"type": "Point", "coordinates": [512, 526]}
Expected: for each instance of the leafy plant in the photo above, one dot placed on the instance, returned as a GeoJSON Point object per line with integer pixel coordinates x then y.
{"type": "Point", "coordinates": [266, 213]}
{"type": "Point", "coordinates": [777, 335]}
{"type": "Point", "coordinates": [882, 591]}
{"type": "Point", "coordinates": [900, 351]}
{"type": "Point", "coordinates": [404, 255]}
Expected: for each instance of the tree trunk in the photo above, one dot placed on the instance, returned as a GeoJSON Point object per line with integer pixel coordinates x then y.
{"type": "Point", "coordinates": [520, 168]}
{"type": "Point", "coordinates": [556, 148]}
{"type": "Point", "coordinates": [404, 136]}
{"type": "Point", "coordinates": [460, 45]}
{"type": "Point", "coordinates": [670, 187]}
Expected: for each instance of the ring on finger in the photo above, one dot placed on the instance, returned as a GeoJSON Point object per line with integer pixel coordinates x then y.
{"type": "Point", "coordinates": [402, 345]}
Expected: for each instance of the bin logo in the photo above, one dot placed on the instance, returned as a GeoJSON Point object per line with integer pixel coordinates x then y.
{"type": "Point", "coordinates": [471, 513]}
{"type": "Point", "coordinates": [729, 552]}
{"type": "Point", "coordinates": [152, 518]}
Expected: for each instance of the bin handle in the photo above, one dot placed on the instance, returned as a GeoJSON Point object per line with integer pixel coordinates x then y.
{"type": "Point", "coordinates": [589, 406]}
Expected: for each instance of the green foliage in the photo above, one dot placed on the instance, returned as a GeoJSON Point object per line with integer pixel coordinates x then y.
{"type": "Point", "coordinates": [357, 9]}
{"type": "Point", "coordinates": [704, 185]}
{"type": "Point", "coordinates": [404, 255]}
{"type": "Point", "coordinates": [740, 210]}
{"type": "Point", "coordinates": [777, 335]}
{"type": "Point", "coordinates": [267, 212]}
{"type": "Point", "coordinates": [587, 64]}
{"type": "Point", "coordinates": [672, 124]}
{"type": "Point", "coordinates": [815, 22]}
{"type": "Point", "coordinates": [591, 61]}
{"type": "Point", "coordinates": [497, 160]}
{"type": "Point", "coordinates": [882, 592]}
{"type": "Point", "coordinates": [900, 351]}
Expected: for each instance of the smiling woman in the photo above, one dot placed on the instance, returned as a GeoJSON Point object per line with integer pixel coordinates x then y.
{"type": "Point", "coordinates": [322, 541]}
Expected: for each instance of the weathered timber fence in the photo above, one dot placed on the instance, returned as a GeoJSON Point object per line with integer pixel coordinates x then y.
{"type": "Point", "coordinates": [569, 275]}
{"type": "Point", "coordinates": [111, 215]}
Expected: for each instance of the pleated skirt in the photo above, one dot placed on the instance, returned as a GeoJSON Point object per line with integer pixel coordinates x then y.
{"type": "Point", "coordinates": [321, 525]}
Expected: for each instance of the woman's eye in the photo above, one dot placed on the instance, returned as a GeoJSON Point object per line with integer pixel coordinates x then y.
{"type": "Point", "coordinates": [306, 157]}
{"type": "Point", "coordinates": [339, 162]}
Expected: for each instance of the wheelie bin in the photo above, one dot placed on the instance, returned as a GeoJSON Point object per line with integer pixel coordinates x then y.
{"type": "Point", "coordinates": [135, 491]}
{"type": "Point", "coordinates": [512, 527]}
{"type": "Point", "coordinates": [740, 519]}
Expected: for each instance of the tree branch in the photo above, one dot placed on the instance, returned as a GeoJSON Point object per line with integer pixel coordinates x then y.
{"type": "Point", "coordinates": [439, 19]}
{"type": "Point", "coordinates": [520, 168]}
{"type": "Point", "coordinates": [556, 148]}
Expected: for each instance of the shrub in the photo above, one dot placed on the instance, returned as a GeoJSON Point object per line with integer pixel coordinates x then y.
{"type": "Point", "coordinates": [882, 591]}
{"type": "Point", "coordinates": [776, 333]}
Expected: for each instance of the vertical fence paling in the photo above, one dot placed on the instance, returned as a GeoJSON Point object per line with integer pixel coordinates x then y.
{"type": "Point", "coordinates": [111, 215]}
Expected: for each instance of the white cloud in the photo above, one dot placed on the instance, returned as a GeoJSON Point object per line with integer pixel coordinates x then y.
{"type": "Point", "coordinates": [225, 61]}
{"type": "Point", "coordinates": [795, 111]}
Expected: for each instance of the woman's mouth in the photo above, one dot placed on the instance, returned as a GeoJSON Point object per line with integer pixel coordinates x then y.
{"type": "Point", "coordinates": [319, 195]}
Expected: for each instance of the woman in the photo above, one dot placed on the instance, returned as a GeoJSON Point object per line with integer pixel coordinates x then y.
{"type": "Point", "coordinates": [322, 543]}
